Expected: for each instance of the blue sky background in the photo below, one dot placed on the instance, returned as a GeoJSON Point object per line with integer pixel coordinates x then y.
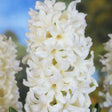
{"type": "Point", "coordinates": [14, 17]}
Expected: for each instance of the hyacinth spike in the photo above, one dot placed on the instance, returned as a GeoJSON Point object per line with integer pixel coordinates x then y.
{"type": "Point", "coordinates": [58, 73]}
{"type": "Point", "coordinates": [9, 66]}
{"type": "Point", "coordinates": [106, 60]}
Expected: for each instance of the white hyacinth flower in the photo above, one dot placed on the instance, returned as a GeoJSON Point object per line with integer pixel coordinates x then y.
{"type": "Point", "coordinates": [9, 66]}
{"type": "Point", "coordinates": [59, 73]}
{"type": "Point", "coordinates": [107, 62]}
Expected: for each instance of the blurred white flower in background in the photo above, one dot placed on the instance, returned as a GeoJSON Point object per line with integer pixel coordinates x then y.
{"type": "Point", "coordinates": [9, 66]}
{"type": "Point", "coordinates": [107, 62]}
{"type": "Point", "coordinates": [59, 73]}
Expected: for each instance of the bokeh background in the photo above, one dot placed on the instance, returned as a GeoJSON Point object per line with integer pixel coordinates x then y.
{"type": "Point", "coordinates": [14, 21]}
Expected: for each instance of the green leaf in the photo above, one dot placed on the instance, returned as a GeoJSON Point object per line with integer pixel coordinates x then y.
{"type": "Point", "coordinates": [12, 109]}
{"type": "Point", "coordinates": [98, 107]}
{"type": "Point", "coordinates": [91, 108]}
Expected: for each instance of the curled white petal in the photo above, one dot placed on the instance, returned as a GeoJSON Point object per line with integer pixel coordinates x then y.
{"type": "Point", "coordinates": [59, 6]}
{"type": "Point", "coordinates": [72, 5]}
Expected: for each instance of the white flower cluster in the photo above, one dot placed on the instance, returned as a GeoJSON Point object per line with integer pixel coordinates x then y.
{"type": "Point", "coordinates": [107, 62]}
{"type": "Point", "coordinates": [59, 72]}
{"type": "Point", "coordinates": [9, 66]}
